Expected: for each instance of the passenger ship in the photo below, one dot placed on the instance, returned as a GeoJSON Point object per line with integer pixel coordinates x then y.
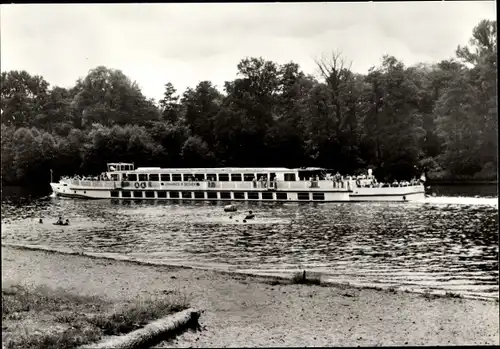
{"type": "Point", "coordinates": [122, 181]}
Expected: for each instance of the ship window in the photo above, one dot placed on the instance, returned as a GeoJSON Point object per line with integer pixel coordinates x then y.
{"type": "Point", "coordinates": [176, 177]}
{"type": "Point", "coordinates": [259, 175]}
{"type": "Point", "coordinates": [114, 177]}
{"type": "Point", "coordinates": [223, 177]}
{"type": "Point", "coordinates": [289, 177]}
{"type": "Point", "coordinates": [211, 195]}
{"type": "Point", "coordinates": [281, 196]}
{"type": "Point", "coordinates": [174, 194]}
{"type": "Point", "coordinates": [150, 194]}
{"type": "Point", "coordinates": [161, 194]}
{"type": "Point", "coordinates": [199, 195]}
{"type": "Point", "coordinates": [115, 194]}
{"type": "Point", "coordinates": [165, 177]}
{"type": "Point", "coordinates": [199, 176]}
{"type": "Point", "coordinates": [132, 177]}
{"type": "Point", "coordinates": [236, 177]}
{"type": "Point", "coordinates": [239, 195]}
{"type": "Point", "coordinates": [303, 196]}
{"type": "Point", "coordinates": [187, 195]}
{"type": "Point", "coordinates": [188, 177]}
{"type": "Point", "coordinates": [211, 177]}
{"type": "Point", "coordinates": [143, 177]}
{"type": "Point", "coordinates": [248, 177]}
{"type": "Point", "coordinates": [253, 196]}
{"type": "Point", "coordinates": [154, 177]}
{"type": "Point", "coordinates": [225, 195]}
{"type": "Point", "coordinates": [267, 196]}
{"type": "Point", "coordinates": [125, 194]}
{"type": "Point", "coordinates": [137, 194]}
{"type": "Point", "coordinates": [318, 196]}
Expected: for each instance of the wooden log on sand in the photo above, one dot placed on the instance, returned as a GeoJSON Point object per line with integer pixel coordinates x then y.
{"type": "Point", "coordinates": [152, 333]}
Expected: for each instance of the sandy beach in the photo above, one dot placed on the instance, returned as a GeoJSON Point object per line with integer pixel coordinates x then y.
{"type": "Point", "coordinates": [249, 311]}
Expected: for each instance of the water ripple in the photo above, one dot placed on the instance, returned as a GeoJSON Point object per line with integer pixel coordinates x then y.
{"type": "Point", "coordinates": [436, 245]}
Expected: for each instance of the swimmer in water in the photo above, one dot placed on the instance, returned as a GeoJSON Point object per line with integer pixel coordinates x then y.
{"type": "Point", "coordinates": [40, 221]}
{"type": "Point", "coordinates": [250, 215]}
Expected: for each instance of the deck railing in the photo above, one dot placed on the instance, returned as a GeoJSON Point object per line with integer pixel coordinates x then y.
{"type": "Point", "coordinates": [310, 185]}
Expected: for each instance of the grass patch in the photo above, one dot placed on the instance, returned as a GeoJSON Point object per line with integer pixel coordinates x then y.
{"type": "Point", "coordinates": [17, 299]}
{"type": "Point", "coordinates": [304, 278]}
{"type": "Point", "coordinates": [136, 315]}
{"type": "Point", "coordinates": [68, 339]}
{"type": "Point", "coordinates": [41, 317]}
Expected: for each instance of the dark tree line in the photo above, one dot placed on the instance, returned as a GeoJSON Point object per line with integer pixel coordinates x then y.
{"type": "Point", "coordinates": [398, 120]}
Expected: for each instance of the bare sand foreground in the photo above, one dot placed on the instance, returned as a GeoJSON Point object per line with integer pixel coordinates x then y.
{"type": "Point", "coordinates": [248, 311]}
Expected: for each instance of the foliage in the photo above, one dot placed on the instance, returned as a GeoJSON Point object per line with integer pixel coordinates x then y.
{"type": "Point", "coordinates": [398, 120]}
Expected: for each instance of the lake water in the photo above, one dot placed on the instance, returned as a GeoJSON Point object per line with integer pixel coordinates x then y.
{"type": "Point", "coordinates": [447, 243]}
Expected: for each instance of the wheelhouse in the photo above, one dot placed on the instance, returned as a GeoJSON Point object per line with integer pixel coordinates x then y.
{"type": "Point", "coordinates": [120, 166]}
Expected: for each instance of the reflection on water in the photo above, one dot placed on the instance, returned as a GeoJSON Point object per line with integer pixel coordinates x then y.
{"type": "Point", "coordinates": [443, 244]}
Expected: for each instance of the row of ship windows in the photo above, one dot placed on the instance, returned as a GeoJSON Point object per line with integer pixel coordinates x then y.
{"type": "Point", "coordinates": [212, 195]}
{"type": "Point", "coordinates": [221, 177]}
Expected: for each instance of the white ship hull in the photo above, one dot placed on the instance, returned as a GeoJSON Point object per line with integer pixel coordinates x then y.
{"type": "Point", "coordinates": [297, 191]}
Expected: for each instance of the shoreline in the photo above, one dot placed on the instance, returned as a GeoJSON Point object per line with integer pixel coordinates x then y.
{"type": "Point", "coordinates": [241, 310]}
{"type": "Point", "coordinates": [232, 273]}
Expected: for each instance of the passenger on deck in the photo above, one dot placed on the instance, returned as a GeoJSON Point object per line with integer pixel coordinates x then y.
{"type": "Point", "coordinates": [263, 181]}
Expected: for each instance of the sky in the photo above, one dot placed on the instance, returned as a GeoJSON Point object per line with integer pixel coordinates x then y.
{"type": "Point", "coordinates": [186, 43]}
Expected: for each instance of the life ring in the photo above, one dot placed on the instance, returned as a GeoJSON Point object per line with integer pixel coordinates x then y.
{"type": "Point", "coordinates": [358, 182]}
{"type": "Point", "coordinates": [143, 185]}
{"type": "Point", "coordinates": [136, 185]}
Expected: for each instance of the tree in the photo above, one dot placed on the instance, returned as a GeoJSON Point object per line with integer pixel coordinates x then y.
{"type": "Point", "coordinates": [107, 96]}
{"type": "Point", "coordinates": [169, 104]}
{"type": "Point", "coordinates": [27, 156]}
{"type": "Point", "coordinates": [334, 103]}
{"type": "Point", "coordinates": [200, 106]}
{"type": "Point", "coordinates": [8, 154]}
{"type": "Point", "coordinates": [398, 120]}
{"type": "Point", "coordinates": [171, 138]}
{"type": "Point", "coordinates": [392, 123]}
{"type": "Point", "coordinates": [195, 153]}
{"type": "Point", "coordinates": [467, 111]}
{"type": "Point", "coordinates": [22, 97]}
